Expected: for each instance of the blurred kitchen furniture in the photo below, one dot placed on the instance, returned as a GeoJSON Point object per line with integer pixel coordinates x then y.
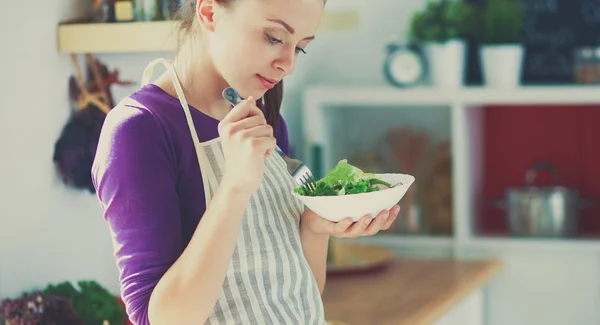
{"type": "Point", "coordinates": [323, 107]}
{"type": "Point", "coordinates": [553, 121]}
{"type": "Point", "coordinates": [413, 292]}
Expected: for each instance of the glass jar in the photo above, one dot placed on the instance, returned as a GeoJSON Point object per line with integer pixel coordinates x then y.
{"type": "Point", "coordinates": [586, 65]}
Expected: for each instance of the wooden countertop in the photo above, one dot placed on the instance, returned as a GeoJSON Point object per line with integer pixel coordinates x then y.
{"type": "Point", "coordinates": [409, 291]}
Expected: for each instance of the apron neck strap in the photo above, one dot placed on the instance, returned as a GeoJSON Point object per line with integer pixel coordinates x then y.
{"type": "Point", "coordinates": [147, 77]}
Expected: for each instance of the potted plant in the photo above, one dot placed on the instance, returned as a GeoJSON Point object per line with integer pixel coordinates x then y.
{"type": "Point", "coordinates": [441, 28]}
{"type": "Point", "coordinates": [501, 43]}
{"type": "Point", "coordinates": [64, 304]}
{"type": "Point", "coordinates": [37, 308]}
{"type": "Point", "coordinates": [92, 302]}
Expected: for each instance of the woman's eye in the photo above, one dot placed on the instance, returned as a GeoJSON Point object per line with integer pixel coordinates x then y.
{"type": "Point", "coordinates": [273, 39]}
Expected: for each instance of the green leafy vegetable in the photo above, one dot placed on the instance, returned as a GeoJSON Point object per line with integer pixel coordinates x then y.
{"type": "Point", "coordinates": [344, 179]}
{"type": "Point", "coordinates": [92, 303]}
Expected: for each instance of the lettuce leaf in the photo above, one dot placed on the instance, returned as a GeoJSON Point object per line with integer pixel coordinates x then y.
{"type": "Point", "coordinates": [344, 179]}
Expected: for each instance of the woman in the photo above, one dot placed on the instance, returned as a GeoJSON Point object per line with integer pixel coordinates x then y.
{"type": "Point", "coordinates": [203, 224]}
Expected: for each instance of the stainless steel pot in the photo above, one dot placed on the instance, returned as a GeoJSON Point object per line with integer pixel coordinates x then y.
{"type": "Point", "coordinates": [543, 211]}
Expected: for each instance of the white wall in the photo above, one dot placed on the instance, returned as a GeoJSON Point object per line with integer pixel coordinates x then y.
{"type": "Point", "coordinates": [51, 233]}
{"type": "Point", "coordinates": [47, 232]}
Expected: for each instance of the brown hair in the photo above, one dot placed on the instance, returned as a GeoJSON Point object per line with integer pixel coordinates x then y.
{"type": "Point", "coordinates": [271, 102]}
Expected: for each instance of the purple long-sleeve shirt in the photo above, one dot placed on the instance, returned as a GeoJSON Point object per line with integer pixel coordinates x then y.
{"type": "Point", "coordinates": [149, 184]}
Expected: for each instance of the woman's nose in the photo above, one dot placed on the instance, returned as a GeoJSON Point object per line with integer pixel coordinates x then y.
{"type": "Point", "coordinates": [286, 61]}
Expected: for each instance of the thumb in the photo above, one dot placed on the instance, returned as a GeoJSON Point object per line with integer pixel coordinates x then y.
{"type": "Point", "coordinates": [251, 100]}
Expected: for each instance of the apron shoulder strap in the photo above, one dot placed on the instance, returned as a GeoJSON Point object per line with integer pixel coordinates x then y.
{"type": "Point", "coordinates": [149, 70]}
{"type": "Point", "coordinates": [147, 77]}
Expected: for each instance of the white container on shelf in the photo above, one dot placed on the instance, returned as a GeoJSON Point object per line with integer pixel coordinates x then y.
{"type": "Point", "coordinates": [502, 65]}
{"type": "Point", "coordinates": [446, 63]}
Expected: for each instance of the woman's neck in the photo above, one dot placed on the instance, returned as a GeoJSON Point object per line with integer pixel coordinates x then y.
{"type": "Point", "coordinates": [202, 84]}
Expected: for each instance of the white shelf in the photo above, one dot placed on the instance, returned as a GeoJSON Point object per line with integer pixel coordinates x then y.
{"type": "Point", "coordinates": [468, 96]}
{"type": "Point", "coordinates": [155, 36]}
{"type": "Point", "coordinates": [467, 147]}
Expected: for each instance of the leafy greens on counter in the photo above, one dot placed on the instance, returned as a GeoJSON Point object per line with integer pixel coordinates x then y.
{"type": "Point", "coordinates": [344, 179]}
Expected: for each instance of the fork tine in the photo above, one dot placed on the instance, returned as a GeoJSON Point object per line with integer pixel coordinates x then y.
{"type": "Point", "coordinates": [305, 180]}
{"type": "Point", "coordinates": [312, 181]}
{"type": "Point", "coordinates": [307, 183]}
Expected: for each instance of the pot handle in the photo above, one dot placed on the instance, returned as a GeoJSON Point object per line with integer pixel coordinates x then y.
{"type": "Point", "coordinates": [532, 172]}
{"type": "Point", "coordinates": [501, 204]}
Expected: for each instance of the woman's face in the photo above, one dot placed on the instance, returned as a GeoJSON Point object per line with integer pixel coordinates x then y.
{"type": "Point", "coordinates": [255, 43]}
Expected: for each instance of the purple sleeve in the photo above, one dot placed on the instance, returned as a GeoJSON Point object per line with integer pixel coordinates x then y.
{"type": "Point", "coordinates": [135, 181]}
{"type": "Point", "coordinates": [282, 136]}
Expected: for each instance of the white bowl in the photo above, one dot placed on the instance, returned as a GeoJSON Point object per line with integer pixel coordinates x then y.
{"type": "Point", "coordinates": [355, 206]}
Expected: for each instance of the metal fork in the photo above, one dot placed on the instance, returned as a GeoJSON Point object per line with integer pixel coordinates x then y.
{"type": "Point", "coordinates": [296, 168]}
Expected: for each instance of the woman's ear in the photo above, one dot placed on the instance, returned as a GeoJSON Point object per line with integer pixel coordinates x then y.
{"type": "Point", "coordinates": [205, 13]}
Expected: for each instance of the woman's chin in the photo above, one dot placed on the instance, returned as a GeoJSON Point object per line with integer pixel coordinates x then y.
{"type": "Point", "coordinates": [255, 89]}
{"type": "Point", "coordinates": [255, 93]}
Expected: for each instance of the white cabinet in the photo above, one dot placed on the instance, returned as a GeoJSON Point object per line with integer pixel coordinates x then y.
{"type": "Point", "coordinates": [468, 312]}
{"type": "Point", "coordinates": [543, 281]}
{"type": "Point", "coordinates": [543, 287]}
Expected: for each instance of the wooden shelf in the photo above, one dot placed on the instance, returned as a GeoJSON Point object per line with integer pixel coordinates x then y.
{"type": "Point", "coordinates": [154, 36]}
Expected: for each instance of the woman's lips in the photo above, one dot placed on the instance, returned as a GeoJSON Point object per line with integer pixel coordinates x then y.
{"type": "Point", "coordinates": [267, 82]}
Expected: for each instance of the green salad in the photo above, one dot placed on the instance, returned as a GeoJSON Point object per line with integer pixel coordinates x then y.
{"type": "Point", "coordinates": [344, 179]}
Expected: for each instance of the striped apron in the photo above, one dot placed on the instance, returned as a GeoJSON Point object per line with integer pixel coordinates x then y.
{"type": "Point", "coordinates": [268, 279]}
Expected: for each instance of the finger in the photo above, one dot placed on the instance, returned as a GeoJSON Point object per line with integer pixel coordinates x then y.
{"type": "Point", "coordinates": [263, 130]}
{"type": "Point", "coordinates": [389, 222]}
{"type": "Point", "coordinates": [271, 150]}
{"type": "Point", "coordinates": [262, 145]}
{"type": "Point", "coordinates": [394, 212]}
{"type": "Point", "coordinates": [339, 228]}
{"type": "Point", "coordinates": [377, 223]}
{"type": "Point", "coordinates": [242, 110]}
{"type": "Point", "coordinates": [246, 123]}
{"type": "Point", "coordinates": [358, 228]}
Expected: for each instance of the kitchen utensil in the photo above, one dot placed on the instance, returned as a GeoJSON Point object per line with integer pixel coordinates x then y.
{"type": "Point", "coordinates": [232, 96]}
{"type": "Point", "coordinates": [355, 206]}
{"type": "Point", "coordinates": [408, 148]}
{"type": "Point", "coordinates": [102, 101]}
{"type": "Point", "coordinates": [297, 169]}
{"type": "Point", "coordinates": [543, 211]}
{"type": "Point", "coordinates": [436, 190]}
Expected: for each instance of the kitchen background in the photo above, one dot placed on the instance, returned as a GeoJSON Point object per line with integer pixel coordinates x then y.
{"type": "Point", "coordinates": [51, 232]}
